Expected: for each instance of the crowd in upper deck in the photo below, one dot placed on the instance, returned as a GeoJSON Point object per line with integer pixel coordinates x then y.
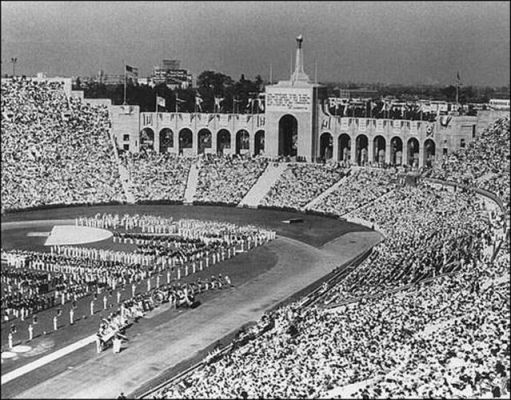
{"type": "Point", "coordinates": [55, 150]}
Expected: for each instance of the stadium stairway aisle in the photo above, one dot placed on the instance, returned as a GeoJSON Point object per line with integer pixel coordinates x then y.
{"type": "Point", "coordinates": [324, 194]}
{"type": "Point", "coordinates": [267, 179]}
{"type": "Point", "coordinates": [191, 184]}
{"type": "Point", "coordinates": [123, 172]}
{"type": "Point", "coordinates": [124, 175]}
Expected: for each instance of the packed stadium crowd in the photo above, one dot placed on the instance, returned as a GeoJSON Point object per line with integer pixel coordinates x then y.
{"type": "Point", "coordinates": [443, 331]}
{"type": "Point", "coordinates": [46, 142]}
{"type": "Point", "coordinates": [227, 179]}
{"type": "Point", "coordinates": [484, 163]}
{"type": "Point", "coordinates": [452, 330]}
{"type": "Point", "coordinates": [301, 183]}
{"type": "Point", "coordinates": [429, 231]}
{"type": "Point", "coordinates": [359, 188]}
{"type": "Point", "coordinates": [156, 176]}
{"type": "Point", "coordinates": [425, 315]}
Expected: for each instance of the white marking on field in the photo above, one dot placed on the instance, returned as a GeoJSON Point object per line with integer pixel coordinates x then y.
{"type": "Point", "coordinates": [38, 234]}
{"type": "Point", "coordinates": [8, 354]}
{"type": "Point", "coordinates": [71, 234]}
{"type": "Point", "coordinates": [46, 359]}
{"type": "Point", "coordinates": [21, 349]}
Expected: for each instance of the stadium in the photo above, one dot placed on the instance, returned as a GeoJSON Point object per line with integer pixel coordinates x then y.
{"type": "Point", "coordinates": [292, 264]}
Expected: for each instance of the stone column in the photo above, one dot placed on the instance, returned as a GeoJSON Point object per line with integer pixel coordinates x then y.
{"type": "Point", "coordinates": [370, 150]}
{"type": "Point", "coordinates": [421, 155]}
{"type": "Point", "coordinates": [353, 152]}
{"type": "Point", "coordinates": [335, 148]}
{"type": "Point", "coordinates": [195, 141]}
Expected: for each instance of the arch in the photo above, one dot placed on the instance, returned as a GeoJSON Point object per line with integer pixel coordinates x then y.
{"type": "Point", "coordinates": [242, 141]}
{"type": "Point", "coordinates": [204, 140]}
{"type": "Point", "coordinates": [185, 139]}
{"type": "Point", "coordinates": [326, 146]}
{"type": "Point", "coordinates": [288, 136]}
{"type": "Point", "coordinates": [259, 143]}
{"type": "Point", "coordinates": [379, 149]}
{"type": "Point", "coordinates": [146, 139]}
{"type": "Point", "coordinates": [223, 140]}
{"type": "Point", "coordinates": [396, 151]}
{"type": "Point", "coordinates": [361, 144]}
{"type": "Point", "coordinates": [412, 154]}
{"type": "Point", "coordinates": [344, 147]}
{"type": "Point", "coordinates": [166, 140]}
{"type": "Point", "coordinates": [429, 152]}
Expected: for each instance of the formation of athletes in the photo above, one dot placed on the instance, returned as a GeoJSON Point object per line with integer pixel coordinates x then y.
{"type": "Point", "coordinates": [159, 253]}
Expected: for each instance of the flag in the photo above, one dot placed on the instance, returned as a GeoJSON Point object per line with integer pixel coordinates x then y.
{"type": "Point", "coordinates": [458, 77]}
{"type": "Point", "coordinates": [133, 71]}
{"type": "Point", "coordinates": [260, 101]}
{"type": "Point", "coordinates": [346, 107]}
{"type": "Point", "coordinates": [160, 101]}
{"type": "Point", "coordinates": [198, 101]}
{"type": "Point", "coordinates": [444, 120]}
{"type": "Point", "coordinates": [218, 102]}
{"type": "Point", "coordinates": [326, 108]}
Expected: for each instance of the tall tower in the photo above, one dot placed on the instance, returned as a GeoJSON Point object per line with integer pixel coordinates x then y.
{"type": "Point", "coordinates": [291, 113]}
{"type": "Point", "coordinates": [299, 74]}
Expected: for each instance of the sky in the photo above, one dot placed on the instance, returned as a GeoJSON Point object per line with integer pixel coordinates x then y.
{"type": "Point", "coordinates": [390, 42]}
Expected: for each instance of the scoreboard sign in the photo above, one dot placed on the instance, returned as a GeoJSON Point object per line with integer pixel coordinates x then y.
{"type": "Point", "coordinates": [298, 100]}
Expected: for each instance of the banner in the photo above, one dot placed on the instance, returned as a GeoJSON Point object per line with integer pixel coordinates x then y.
{"type": "Point", "coordinates": [362, 124]}
{"type": "Point", "coordinates": [283, 99]}
{"type": "Point", "coordinates": [147, 119]}
{"type": "Point", "coordinates": [345, 124]}
{"type": "Point", "coordinates": [379, 125]}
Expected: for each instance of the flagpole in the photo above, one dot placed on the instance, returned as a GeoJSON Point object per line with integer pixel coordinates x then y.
{"type": "Point", "coordinates": [176, 100]}
{"type": "Point", "coordinates": [125, 77]}
{"type": "Point", "coordinates": [271, 75]}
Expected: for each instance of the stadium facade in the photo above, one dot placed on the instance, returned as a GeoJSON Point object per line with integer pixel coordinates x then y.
{"type": "Point", "coordinates": [294, 123]}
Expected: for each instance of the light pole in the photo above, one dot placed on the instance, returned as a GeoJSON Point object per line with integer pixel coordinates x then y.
{"type": "Point", "coordinates": [13, 61]}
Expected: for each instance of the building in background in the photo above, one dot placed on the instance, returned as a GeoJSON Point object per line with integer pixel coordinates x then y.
{"type": "Point", "coordinates": [114, 79]}
{"type": "Point", "coordinates": [170, 73]}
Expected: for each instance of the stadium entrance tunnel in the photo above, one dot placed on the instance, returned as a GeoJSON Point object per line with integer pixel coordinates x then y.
{"type": "Point", "coordinates": [361, 149]}
{"type": "Point", "coordinates": [344, 147]}
{"type": "Point", "coordinates": [204, 138]}
{"type": "Point", "coordinates": [242, 142]}
{"type": "Point", "coordinates": [326, 146]}
{"type": "Point", "coordinates": [147, 139]}
{"type": "Point", "coordinates": [259, 143]}
{"type": "Point", "coordinates": [429, 152]}
{"type": "Point", "coordinates": [288, 136]}
{"type": "Point", "coordinates": [379, 149]}
{"type": "Point", "coordinates": [223, 141]}
{"type": "Point", "coordinates": [166, 140]}
{"type": "Point", "coordinates": [396, 148]}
